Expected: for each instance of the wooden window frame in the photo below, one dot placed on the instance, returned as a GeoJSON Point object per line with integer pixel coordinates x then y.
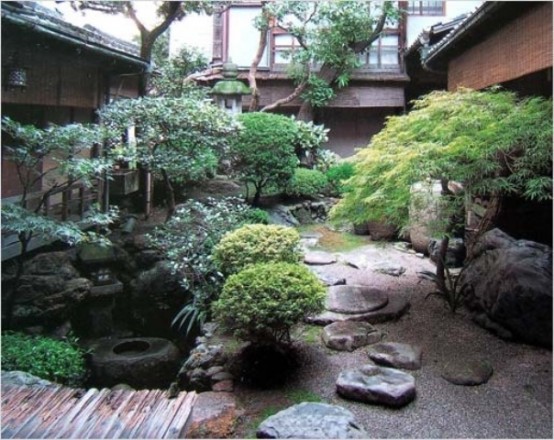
{"type": "Point", "coordinates": [420, 8]}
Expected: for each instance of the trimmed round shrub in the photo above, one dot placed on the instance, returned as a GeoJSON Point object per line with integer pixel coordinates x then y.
{"type": "Point", "coordinates": [306, 183]}
{"type": "Point", "coordinates": [50, 359]}
{"type": "Point", "coordinates": [337, 174]}
{"type": "Point", "coordinates": [262, 302]}
{"type": "Point", "coordinates": [264, 154]}
{"type": "Point", "coordinates": [252, 244]}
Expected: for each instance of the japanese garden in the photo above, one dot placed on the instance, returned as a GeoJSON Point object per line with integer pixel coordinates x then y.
{"type": "Point", "coordinates": [276, 219]}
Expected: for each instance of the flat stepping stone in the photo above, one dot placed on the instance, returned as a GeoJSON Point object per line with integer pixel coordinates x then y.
{"type": "Point", "coordinates": [394, 270]}
{"type": "Point", "coordinates": [378, 385]}
{"type": "Point", "coordinates": [394, 309]}
{"type": "Point", "coordinates": [311, 420]}
{"type": "Point", "coordinates": [319, 258]}
{"type": "Point", "coordinates": [396, 355]}
{"type": "Point", "coordinates": [355, 299]}
{"type": "Point", "coordinates": [349, 335]}
{"type": "Point", "coordinates": [467, 372]}
{"type": "Point", "coordinates": [326, 278]}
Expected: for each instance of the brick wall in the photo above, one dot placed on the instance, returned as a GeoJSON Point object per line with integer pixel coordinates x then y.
{"type": "Point", "coordinates": [521, 47]}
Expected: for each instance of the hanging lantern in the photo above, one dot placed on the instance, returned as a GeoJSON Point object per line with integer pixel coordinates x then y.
{"type": "Point", "coordinates": [16, 75]}
{"type": "Point", "coordinates": [228, 92]}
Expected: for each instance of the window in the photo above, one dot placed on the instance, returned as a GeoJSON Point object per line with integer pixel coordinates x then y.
{"type": "Point", "coordinates": [283, 46]}
{"type": "Point", "coordinates": [425, 8]}
{"type": "Point", "coordinates": [382, 54]}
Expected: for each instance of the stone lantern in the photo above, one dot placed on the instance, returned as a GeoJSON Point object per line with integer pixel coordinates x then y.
{"type": "Point", "coordinates": [227, 93]}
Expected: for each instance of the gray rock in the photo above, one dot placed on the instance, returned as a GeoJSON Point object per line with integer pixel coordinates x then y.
{"type": "Point", "coordinates": [357, 261]}
{"type": "Point", "coordinates": [327, 278]}
{"type": "Point", "coordinates": [318, 258]}
{"type": "Point", "coordinates": [354, 299]}
{"type": "Point", "coordinates": [510, 281]}
{"type": "Point", "coordinates": [349, 335]}
{"type": "Point", "coordinates": [122, 386]}
{"type": "Point", "coordinates": [381, 231]}
{"type": "Point", "coordinates": [396, 355]}
{"type": "Point", "coordinates": [424, 209]}
{"type": "Point", "coordinates": [23, 378]}
{"type": "Point", "coordinates": [311, 420]}
{"type": "Point", "coordinates": [467, 372]}
{"type": "Point", "coordinates": [281, 215]}
{"type": "Point", "coordinates": [378, 385]}
{"type": "Point", "coordinates": [394, 270]}
{"type": "Point", "coordinates": [455, 254]}
{"type": "Point", "coordinates": [394, 309]}
{"type": "Point", "coordinates": [222, 375]}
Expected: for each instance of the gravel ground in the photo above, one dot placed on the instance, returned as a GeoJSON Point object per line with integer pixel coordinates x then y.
{"type": "Point", "coordinates": [515, 403]}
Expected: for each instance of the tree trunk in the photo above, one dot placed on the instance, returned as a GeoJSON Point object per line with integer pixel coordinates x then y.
{"type": "Point", "coordinates": [170, 195]}
{"type": "Point", "coordinates": [24, 240]}
{"type": "Point", "coordinates": [262, 44]}
{"type": "Point", "coordinates": [257, 196]}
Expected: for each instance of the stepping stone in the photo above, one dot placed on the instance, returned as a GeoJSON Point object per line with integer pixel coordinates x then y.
{"type": "Point", "coordinates": [394, 270]}
{"type": "Point", "coordinates": [396, 355]}
{"type": "Point", "coordinates": [378, 385]}
{"type": "Point", "coordinates": [357, 261]}
{"type": "Point", "coordinates": [394, 309]}
{"type": "Point", "coordinates": [355, 299]}
{"type": "Point", "coordinates": [467, 372]}
{"type": "Point", "coordinates": [318, 258]}
{"type": "Point", "coordinates": [214, 415]}
{"type": "Point", "coordinates": [349, 335]}
{"type": "Point", "coordinates": [326, 278]}
{"type": "Point", "coordinates": [311, 420]}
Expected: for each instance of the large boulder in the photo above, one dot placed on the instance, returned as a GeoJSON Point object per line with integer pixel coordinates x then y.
{"type": "Point", "coordinates": [156, 297]}
{"type": "Point", "coordinates": [49, 291]}
{"type": "Point", "coordinates": [311, 420]}
{"type": "Point", "coordinates": [508, 284]}
{"type": "Point", "coordinates": [424, 209]}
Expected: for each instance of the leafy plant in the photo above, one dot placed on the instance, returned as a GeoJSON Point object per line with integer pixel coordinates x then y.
{"type": "Point", "coordinates": [337, 175]}
{"type": "Point", "coordinates": [306, 183]}
{"type": "Point", "coordinates": [179, 139]}
{"type": "Point", "coordinates": [252, 244]}
{"type": "Point", "coordinates": [187, 240]}
{"type": "Point", "coordinates": [262, 302]}
{"type": "Point", "coordinates": [450, 292]}
{"type": "Point", "coordinates": [263, 153]}
{"type": "Point", "coordinates": [50, 359]}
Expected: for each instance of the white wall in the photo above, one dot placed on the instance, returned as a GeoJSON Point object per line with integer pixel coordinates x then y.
{"type": "Point", "coordinates": [416, 23]}
{"type": "Point", "coordinates": [195, 30]}
{"type": "Point", "coordinates": [244, 37]}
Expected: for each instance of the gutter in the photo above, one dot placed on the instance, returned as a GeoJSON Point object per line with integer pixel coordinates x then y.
{"type": "Point", "coordinates": [95, 47]}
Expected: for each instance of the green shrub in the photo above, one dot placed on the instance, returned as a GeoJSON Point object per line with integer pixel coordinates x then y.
{"type": "Point", "coordinates": [262, 302]}
{"type": "Point", "coordinates": [254, 244]}
{"type": "Point", "coordinates": [187, 241]}
{"type": "Point", "coordinates": [263, 153]}
{"type": "Point", "coordinates": [257, 215]}
{"type": "Point", "coordinates": [337, 175]}
{"type": "Point", "coordinates": [306, 183]}
{"type": "Point", "coordinates": [50, 359]}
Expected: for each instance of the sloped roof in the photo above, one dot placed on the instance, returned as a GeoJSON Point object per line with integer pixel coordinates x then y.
{"type": "Point", "coordinates": [35, 18]}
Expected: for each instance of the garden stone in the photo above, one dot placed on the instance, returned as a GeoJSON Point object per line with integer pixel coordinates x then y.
{"type": "Point", "coordinates": [455, 254]}
{"type": "Point", "coordinates": [23, 378]}
{"type": "Point", "coordinates": [212, 371]}
{"type": "Point", "coordinates": [349, 335]}
{"type": "Point", "coordinates": [226, 386]}
{"type": "Point", "coordinates": [380, 231]}
{"type": "Point", "coordinates": [423, 210]}
{"type": "Point", "coordinates": [51, 263]}
{"type": "Point", "coordinates": [326, 278]}
{"type": "Point", "coordinates": [222, 375]}
{"type": "Point", "coordinates": [353, 299]}
{"type": "Point", "coordinates": [214, 415]}
{"type": "Point", "coordinates": [467, 372]}
{"type": "Point", "coordinates": [379, 385]}
{"type": "Point", "coordinates": [395, 308]}
{"type": "Point", "coordinates": [318, 258]}
{"type": "Point", "coordinates": [510, 282]}
{"type": "Point", "coordinates": [394, 270]}
{"type": "Point", "coordinates": [396, 355]}
{"type": "Point", "coordinates": [311, 421]}
{"type": "Point", "coordinates": [281, 215]}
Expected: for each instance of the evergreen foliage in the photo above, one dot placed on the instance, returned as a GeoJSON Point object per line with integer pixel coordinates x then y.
{"type": "Point", "coordinates": [253, 244]}
{"type": "Point", "coordinates": [306, 183]}
{"type": "Point", "coordinates": [262, 302]}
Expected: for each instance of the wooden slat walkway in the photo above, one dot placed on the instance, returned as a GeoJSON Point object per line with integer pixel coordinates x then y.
{"type": "Point", "coordinates": [60, 412]}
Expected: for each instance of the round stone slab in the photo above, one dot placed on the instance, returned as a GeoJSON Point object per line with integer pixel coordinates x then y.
{"type": "Point", "coordinates": [378, 385]}
{"type": "Point", "coordinates": [396, 355]}
{"type": "Point", "coordinates": [351, 299]}
{"type": "Point", "coordinates": [467, 372]}
{"type": "Point", "coordinates": [311, 420]}
{"type": "Point", "coordinates": [349, 335]}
